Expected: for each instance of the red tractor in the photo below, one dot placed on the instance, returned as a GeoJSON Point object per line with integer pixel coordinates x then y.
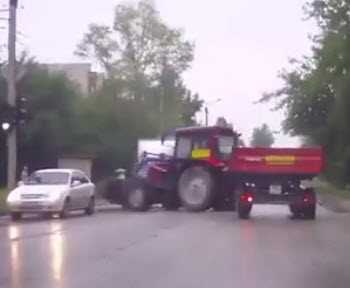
{"type": "Point", "coordinates": [209, 170]}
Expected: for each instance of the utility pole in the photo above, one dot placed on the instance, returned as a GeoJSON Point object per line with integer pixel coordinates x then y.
{"type": "Point", "coordinates": [11, 97]}
{"type": "Point", "coordinates": [206, 110]}
{"type": "Point", "coordinates": [161, 112]}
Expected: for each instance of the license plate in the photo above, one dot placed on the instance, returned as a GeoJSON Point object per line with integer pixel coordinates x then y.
{"type": "Point", "coordinates": [30, 205]}
{"type": "Point", "coordinates": [275, 189]}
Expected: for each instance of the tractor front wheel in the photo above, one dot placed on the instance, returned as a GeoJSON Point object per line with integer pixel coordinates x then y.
{"type": "Point", "coordinates": [137, 197]}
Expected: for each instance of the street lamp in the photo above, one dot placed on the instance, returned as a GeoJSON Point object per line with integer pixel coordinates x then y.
{"type": "Point", "coordinates": [206, 110]}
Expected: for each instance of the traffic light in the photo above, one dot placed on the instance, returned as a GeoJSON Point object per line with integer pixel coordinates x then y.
{"type": "Point", "coordinates": [14, 3]}
{"type": "Point", "coordinates": [22, 112]}
{"type": "Point", "coordinates": [7, 117]}
{"type": "Point", "coordinates": [13, 116]}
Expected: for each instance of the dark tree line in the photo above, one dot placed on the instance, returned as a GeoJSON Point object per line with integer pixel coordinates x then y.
{"type": "Point", "coordinates": [316, 92]}
{"type": "Point", "coordinates": [143, 94]}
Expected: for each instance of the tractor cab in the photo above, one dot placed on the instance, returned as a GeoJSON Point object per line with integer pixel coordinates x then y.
{"type": "Point", "coordinates": [211, 144]}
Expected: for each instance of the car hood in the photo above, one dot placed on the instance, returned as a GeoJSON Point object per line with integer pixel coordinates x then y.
{"type": "Point", "coordinates": [39, 189]}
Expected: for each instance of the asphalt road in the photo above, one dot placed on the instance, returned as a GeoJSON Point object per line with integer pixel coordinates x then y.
{"type": "Point", "coordinates": [177, 249]}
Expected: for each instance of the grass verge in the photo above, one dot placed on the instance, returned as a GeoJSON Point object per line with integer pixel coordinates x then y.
{"type": "Point", "coordinates": [324, 187]}
{"type": "Point", "coordinates": [3, 196]}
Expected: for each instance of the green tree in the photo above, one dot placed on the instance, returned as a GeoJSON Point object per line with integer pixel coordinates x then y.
{"type": "Point", "coordinates": [262, 137]}
{"type": "Point", "coordinates": [52, 106]}
{"type": "Point", "coordinates": [138, 46]}
{"type": "Point", "coordinates": [110, 125]}
{"type": "Point", "coordinates": [315, 94]}
{"type": "Point", "coordinates": [144, 59]}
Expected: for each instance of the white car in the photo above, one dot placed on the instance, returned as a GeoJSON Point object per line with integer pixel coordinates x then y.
{"type": "Point", "coordinates": [53, 191]}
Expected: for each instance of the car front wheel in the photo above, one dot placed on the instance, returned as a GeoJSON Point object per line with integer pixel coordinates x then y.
{"type": "Point", "coordinates": [65, 209]}
{"type": "Point", "coordinates": [15, 216]}
{"type": "Point", "coordinates": [137, 198]}
{"type": "Point", "coordinates": [90, 209]}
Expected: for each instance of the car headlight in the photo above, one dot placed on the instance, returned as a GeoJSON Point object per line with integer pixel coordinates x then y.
{"type": "Point", "coordinates": [54, 197]}
{"type": "Point", "coordinates": [13, 197]}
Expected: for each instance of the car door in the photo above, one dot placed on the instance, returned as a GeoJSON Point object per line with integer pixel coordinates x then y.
{"type": "Point", "coordinates": [75, 191]}
{"type": "Point", "coordinates": [85, 190]}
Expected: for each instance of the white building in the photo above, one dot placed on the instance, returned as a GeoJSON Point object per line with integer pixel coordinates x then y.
{"type": "Point", "coordinates": [86, 80]}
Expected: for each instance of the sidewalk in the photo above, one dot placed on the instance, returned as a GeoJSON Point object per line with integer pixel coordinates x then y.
{"type": "Point", "coordinates": [334, 203]}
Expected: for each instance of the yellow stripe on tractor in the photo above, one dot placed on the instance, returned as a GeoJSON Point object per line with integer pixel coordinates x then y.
{"type": "Point", "coordinates": [200, 153]}
{"type": "Point", "coordinates": [280, 160]}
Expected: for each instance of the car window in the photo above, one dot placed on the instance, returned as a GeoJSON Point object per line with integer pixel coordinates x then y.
{"type": "Point", "coordinates": [82, 178]}
{"type": "Point", "coordinates": [47, 178]}
{"type": "Point", "coordinates": [75, 177]}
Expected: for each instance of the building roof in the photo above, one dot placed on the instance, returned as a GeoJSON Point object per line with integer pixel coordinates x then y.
{"type": "Point", "coordinates": [58, 170]}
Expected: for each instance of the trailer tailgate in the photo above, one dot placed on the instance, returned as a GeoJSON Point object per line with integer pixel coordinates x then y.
{"type": "Point", "coordinates": [301, 161]}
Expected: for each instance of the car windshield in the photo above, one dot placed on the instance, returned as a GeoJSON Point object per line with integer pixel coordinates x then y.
{"type": "Point", "coordinates": [48, 178]}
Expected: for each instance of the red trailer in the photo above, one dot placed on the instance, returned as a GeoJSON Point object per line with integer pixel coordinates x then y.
{"type": "Point", "coordinates": [275, 175]}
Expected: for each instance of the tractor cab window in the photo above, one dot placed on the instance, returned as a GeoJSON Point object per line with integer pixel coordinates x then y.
{"type": "Point", "coordinates": [200, 143]}
{"type": "Point", "coordinates": [225, 146]}
{"type": "Point", "coordinates": [184, 148]}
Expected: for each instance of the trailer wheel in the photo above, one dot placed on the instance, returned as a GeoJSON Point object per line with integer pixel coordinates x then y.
{"type": "Point", "coordinates": [310, 212]}
{"type": "Point", "coordinates": [196, 188]}
{"type": "Point", "coordinates": [305, 207]}
{"type": "Point", "coordinates": [294, 210]}
{"type": "Point", "coordinates": [310, 209]}
{"type": "Point", "coordinates": [244, 211]}
{"type": "Point", "coordinates": [137, 197]}
{"type": "Point", "coordinates": [244, 202]}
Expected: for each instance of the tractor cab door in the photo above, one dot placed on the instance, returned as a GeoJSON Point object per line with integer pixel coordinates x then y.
{"type": "Point", "coordinates": [193, 147]}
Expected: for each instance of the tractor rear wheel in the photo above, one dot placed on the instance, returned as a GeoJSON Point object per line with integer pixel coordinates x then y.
{"type": "Point", "coordinates": [196, 188]}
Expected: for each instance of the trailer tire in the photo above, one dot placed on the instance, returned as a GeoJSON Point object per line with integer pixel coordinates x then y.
{"type": "Point", "coordinates": [244, 211]}
{"type": "Point", "coordinates": [310, 213]}
{"type": "Point", "coordinates": [137, 195]}
{"type": "Point", "coordinates": [294, 210]}
{"type": "Point", "coordinates": [196, 188]}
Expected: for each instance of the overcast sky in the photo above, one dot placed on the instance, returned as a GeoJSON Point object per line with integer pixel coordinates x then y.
{"type": "Point", "coordinates": [240, 46]}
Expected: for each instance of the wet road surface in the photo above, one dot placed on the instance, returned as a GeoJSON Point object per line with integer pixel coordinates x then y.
{"type": "Point", "coordinates": [114, 248]}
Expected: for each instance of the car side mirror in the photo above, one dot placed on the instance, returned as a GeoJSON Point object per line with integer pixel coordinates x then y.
{"type": "Point", "coordinates": [75, 183]}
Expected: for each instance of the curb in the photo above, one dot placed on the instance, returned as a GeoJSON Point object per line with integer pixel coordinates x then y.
{"type": "Point", "coordinates": [3, 214]}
